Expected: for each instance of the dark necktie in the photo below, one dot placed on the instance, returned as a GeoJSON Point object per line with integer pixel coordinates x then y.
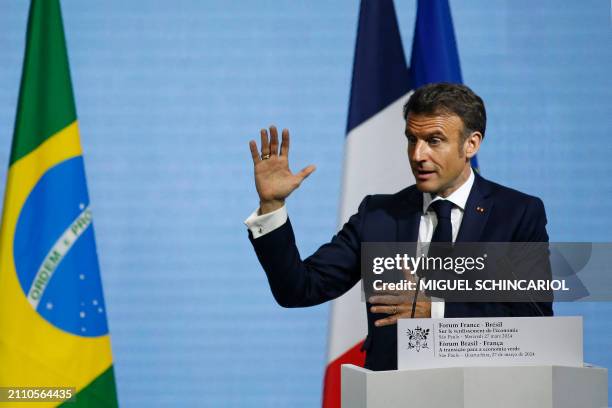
{"type": "Point", "coordinates": [444, 229]}
{"type": "Point", "coordinates": [442, 233]}
{"type": "Point", "coordinates": [442, 238]}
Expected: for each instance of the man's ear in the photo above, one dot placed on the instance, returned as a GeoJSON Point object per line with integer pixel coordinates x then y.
{"type": "Point", "coordinates": [472, 144]}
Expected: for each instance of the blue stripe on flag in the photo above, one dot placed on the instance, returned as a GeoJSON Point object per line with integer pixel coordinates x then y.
{"type": "Point", "coordinates": [380, 74]}
{"type": "Point", "coordinates": [434, 50]}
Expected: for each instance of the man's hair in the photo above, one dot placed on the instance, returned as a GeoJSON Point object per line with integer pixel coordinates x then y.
{"type": "Point", "coordinates": [444, 98]}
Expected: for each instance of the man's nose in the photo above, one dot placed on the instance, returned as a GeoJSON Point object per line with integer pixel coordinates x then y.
{"type": "Point", "coordinates": [418, 152]}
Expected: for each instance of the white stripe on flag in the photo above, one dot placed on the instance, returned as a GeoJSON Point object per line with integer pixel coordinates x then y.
{"type": "Point", "coordinates": [376, 158]}
{"type": "Point", "coordinates": [376, 161]}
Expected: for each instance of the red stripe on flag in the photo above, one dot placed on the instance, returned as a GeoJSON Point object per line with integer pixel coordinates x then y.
{"type": "Point", "coordinates": [331, 383]}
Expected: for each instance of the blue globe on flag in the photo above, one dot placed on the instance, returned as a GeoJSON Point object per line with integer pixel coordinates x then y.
{"type": "Point", "coordinates": [55, 253]}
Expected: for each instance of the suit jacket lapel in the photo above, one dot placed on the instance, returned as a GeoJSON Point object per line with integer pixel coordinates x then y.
{"type": "Point", "coordinates": [409, 212]}
{"type": "Point", "coordinates": [477, 210]}
{"type": "Point", "coordinates": [475, 216]}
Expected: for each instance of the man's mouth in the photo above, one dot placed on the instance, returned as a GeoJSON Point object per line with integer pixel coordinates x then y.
{"type": "Point", "coordinates": [423, 175]}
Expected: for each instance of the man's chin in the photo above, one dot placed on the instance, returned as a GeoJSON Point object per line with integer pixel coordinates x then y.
{"type": "Point", "coordinates": [426, 186]}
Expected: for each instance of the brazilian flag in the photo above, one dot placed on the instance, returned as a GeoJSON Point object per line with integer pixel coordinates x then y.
{"type": "Point", "coordinates": [53, 327]}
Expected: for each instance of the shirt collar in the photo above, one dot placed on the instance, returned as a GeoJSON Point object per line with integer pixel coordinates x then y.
{"type": "Point", "coordinates": [458, 197]}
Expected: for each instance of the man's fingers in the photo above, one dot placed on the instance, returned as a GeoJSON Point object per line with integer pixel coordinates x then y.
{"type": "Point", "coordinates": [254, 152]}
{"type": "Point", "coordinates": [391, 310]}
{"type": "Point", "coordinates": [273, 141]}
{"type": "Point", "coordinates": [403, 312]}
{"type": "Point", "coordinates": [386, 300]}
{"type": "Point", "coordinates": [265, 145]}
{"type": "Point", "coordinates": [284, 150]}
{"type": "Point", "coordinates": [387, 321]}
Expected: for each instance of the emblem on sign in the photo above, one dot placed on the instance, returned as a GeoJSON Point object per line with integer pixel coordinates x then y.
{"type": "Point", "coordinates": [417, 338]}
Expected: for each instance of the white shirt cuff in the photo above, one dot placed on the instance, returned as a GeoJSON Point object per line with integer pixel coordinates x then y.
{"type": "Point", "coordinates": [437, 308]}
{"type": "Point", "coordinates": [260, 225]}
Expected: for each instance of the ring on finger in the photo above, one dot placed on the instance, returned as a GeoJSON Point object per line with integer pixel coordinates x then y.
{"type": "Point", "coordinates": [265, 156]}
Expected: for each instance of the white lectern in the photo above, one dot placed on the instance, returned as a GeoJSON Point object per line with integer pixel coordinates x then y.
{"type": "Point", "coordinates": [476, 387]}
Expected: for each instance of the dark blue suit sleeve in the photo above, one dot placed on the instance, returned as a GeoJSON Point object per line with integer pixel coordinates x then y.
{"type": "Point", "coordinates": [532, 228]}
{"type": "Point", "coordinates": [328, 273]}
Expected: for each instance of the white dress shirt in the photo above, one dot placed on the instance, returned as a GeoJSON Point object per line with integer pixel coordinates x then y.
{"type": "Point", "coordinates": [429, 220]}
{"type": "Point", "coordinates": [260, 225]}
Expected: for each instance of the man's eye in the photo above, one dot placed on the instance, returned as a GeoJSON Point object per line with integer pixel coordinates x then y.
{"type": "Point", "coordinates": [434, 141]}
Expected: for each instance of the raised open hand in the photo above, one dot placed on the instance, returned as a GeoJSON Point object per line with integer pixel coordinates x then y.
{"type": "Point", "coordinates": [273, 179]}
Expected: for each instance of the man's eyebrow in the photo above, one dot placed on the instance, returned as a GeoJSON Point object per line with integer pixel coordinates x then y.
{"type": "Point", "coordinates": [436, 133]}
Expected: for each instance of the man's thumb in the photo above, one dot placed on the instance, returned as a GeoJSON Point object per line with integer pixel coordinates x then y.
{"type": "Point", "coordinates": [306, 171]}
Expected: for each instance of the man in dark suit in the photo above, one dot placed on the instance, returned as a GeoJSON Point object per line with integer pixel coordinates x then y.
{"type": "Point", "coordinates": [445, 125]}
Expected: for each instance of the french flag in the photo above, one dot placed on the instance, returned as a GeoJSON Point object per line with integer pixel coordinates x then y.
{"type": "Point", "coordinates": [375, 159]}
